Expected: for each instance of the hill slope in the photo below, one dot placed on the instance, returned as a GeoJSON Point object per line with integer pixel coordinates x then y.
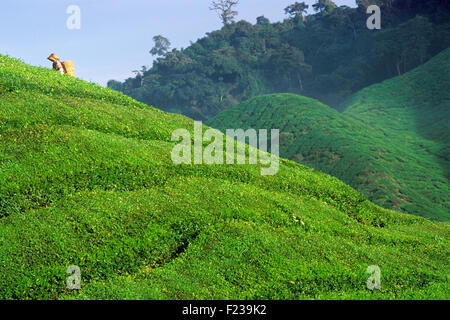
{"type": "Point", "coordinates": [391, 142]}
{"type": "Point", "coordinates": [86, 179]}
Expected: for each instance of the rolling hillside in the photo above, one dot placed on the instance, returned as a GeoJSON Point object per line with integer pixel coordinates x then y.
{"type": "Point", "coordinates": [86, 179]}
{"type": "Point", "coordinates": [391, 142]}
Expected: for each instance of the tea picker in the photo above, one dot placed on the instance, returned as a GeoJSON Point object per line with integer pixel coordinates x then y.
{"type": "Point", "coordinates": [65, 67]}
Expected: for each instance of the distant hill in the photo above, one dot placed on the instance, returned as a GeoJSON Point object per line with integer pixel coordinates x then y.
{"type": "Point", "coordinates": [328, 56]}
{"type": "Point", "coordinates": [391, 142]}
{"type": "Point", "coordinates": [86, 179]}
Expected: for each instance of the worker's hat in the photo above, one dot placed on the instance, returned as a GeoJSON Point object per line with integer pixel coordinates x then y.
{"type": "Point", "coordinates": [53, 57]}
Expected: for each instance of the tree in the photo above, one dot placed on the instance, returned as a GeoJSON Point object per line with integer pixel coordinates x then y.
{"type": "Point", "coordinates": [386, 4]}
{"type": "Point", "coordinates": [115, 85]}
{"type": "Point", "coordinates": [363, 4]}
{"type": "Point", "coordinates": [288, 63]}
{"type": "Point", "coordinates": [344, 17]}
{"type": "Point", "coordinates": [162, 46]}
{"type": "Point", "coordinates": [262, 21]}
{"type": "Point", "coordinates": [324, 6]}
{"type": "Point", "coordinates": [225, 10]}
{"type": "Point", "coordinates": [141, 72]}
{"type": "Point", "coordinates": [296, 9]}
{"type": "Point", "coordinates": [405, 46]}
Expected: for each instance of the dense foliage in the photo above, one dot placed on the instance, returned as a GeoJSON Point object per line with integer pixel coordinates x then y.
{"type": "Point", "coordinates": [328, 56]}
{"type": "Point", "coordinates": [86, 179]}
{"type": "Point", "coordinates": [391, 142]}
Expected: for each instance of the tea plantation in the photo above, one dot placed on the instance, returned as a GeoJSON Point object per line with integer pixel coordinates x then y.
{"type": "Point", "coordinates": [391, 142]}
{"type": "Point", "coordinates": [86, 179]}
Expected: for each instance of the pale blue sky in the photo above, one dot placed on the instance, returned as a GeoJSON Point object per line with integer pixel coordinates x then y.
{"type": "Point", "coordinates": [115, 35]}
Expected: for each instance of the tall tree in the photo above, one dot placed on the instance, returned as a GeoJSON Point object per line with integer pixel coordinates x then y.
{"type": "Point", "coordinates": [324, 6]}
{"type": "Point", "coordinates": [225, 9]}
{"type": "Point", "coordinates": [296, 9]}
{"type": "Point", "coordinates": [262, 21]}
{"type": "Point", "coordinates": [162, 46]}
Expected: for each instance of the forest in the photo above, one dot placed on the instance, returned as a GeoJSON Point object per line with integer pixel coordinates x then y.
{"type": "Point", "coordinates": [327, 55]}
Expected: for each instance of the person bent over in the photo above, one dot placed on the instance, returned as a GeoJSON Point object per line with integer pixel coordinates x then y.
{"type": "Point", "coordinates": [57, 64]}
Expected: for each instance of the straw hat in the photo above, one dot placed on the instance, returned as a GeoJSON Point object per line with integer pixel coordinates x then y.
{"type": "Point", "coordinates": [53, 57]}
